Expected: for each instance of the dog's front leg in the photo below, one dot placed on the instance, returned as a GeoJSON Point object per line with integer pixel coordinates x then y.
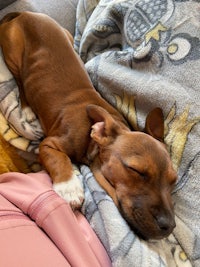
{"type": "Point", "coordinates": [59, 167]}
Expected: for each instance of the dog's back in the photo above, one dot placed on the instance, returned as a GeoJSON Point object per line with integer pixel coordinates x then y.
{"type": "Point", "coordinates": [50, 75]}
{"type": "Point", "coordinates": [42, 74]}
{"type": "Point", "coordinates": [32, 39]}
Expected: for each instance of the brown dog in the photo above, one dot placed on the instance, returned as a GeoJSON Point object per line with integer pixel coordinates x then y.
{"type": "Point", "coordinates": [133, 167]}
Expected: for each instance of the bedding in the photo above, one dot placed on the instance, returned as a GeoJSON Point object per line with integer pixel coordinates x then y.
{"type": "Point", "coordinates": [5, 3]}
{"type": "Point", "coordinates": [140, 54]}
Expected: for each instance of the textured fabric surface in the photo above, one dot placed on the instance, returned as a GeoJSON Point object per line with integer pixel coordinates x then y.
{"type": "Point", "coordinates": [5, 3]}
{"type": "Point", "coordinates": [61, 10]}
{"type": "Point", "coordinates": [142, 54]}
{"type": "Point", "coordinates": [28, 204]}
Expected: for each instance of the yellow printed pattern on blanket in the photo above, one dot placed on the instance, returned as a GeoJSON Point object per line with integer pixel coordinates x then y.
{"type": "Point", "coordinates": [12, 147]}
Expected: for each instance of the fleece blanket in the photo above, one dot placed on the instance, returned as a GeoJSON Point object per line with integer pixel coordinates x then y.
{"type": "Point", "coordinates": [140, 54]}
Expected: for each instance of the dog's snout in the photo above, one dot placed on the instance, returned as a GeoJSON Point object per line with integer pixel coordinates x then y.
{"type": "Point", "coordinates": [165, 222]}
{"type": "Point", "coordinates": [162, 222]}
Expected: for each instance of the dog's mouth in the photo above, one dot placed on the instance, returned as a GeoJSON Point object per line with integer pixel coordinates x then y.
{"type": "Point", "coordinates": [147, 226]}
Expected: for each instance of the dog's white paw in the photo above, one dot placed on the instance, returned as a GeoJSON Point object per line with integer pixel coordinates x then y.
{"type": "Point", "coordinates": [72, 191]}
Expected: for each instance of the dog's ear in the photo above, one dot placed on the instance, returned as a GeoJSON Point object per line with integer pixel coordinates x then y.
{"type": "Point", "coordinates": [104, 129]}
{"type": "Point", "coordinates": [154, 125]}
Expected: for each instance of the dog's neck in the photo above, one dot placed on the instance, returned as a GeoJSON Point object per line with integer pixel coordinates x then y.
{"type": "Point", "coordinates": [91, 153]}
{"type": "Point", "coordinates": [94, 162]}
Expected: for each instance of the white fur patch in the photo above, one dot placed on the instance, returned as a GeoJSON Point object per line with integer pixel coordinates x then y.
{"type": "Point", "coordinates": [72, 191]}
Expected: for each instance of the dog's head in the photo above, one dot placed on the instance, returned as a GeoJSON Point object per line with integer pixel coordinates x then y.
{"type": "Point", "coordinates": [137, 167]}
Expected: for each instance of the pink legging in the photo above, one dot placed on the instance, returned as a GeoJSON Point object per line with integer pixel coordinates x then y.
{"type": "Point", "coordinates": [38, 228]}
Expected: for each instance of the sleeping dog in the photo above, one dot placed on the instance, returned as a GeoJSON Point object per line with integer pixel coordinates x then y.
{"type": "Point", "coordinates": [80, 126]}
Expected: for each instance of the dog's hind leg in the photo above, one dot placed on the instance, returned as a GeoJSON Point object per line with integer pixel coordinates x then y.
{"type": "Point", "coordinates": [60, 169]}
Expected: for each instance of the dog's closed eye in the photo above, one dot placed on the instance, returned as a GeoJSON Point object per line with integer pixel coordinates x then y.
{"type": "Point", "coordinates": [136, 171]}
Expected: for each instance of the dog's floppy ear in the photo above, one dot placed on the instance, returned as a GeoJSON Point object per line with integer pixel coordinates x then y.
{"type": "Point", "coordinates": [104, 129]}
{"type": "Point", "coordinates": [154, 125]}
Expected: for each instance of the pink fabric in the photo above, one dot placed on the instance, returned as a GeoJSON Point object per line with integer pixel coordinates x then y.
{"type": "Point", "coordinates": [67, 239]}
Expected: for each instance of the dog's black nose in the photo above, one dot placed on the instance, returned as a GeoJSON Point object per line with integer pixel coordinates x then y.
{"type": "Point", "coordinates": [165, 223]}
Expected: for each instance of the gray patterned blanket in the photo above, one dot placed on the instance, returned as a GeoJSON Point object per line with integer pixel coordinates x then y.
{"type": "Point", "coordinates": [140, 54]}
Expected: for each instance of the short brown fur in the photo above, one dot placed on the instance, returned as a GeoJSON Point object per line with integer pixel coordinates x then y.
{"type": "Point", "coordinates": [79, 125]}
